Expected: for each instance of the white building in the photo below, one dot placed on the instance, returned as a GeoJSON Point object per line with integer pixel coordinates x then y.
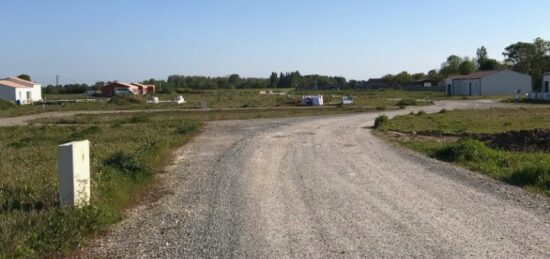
{"type": "Point", "coordinates": [546, 83]}
{"type": "Point", "coordinates": [20, 91]}
{"type": "Point", "coordinates": [484, 83]}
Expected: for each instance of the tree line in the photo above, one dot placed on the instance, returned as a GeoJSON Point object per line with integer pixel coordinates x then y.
{"type": "Point", "coordinates": [531, 58]}
{"type": "Point", "coordinates": [178, 83]}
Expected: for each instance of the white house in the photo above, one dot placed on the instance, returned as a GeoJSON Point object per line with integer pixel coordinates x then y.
{"type": "Point", "coordinates": [546, 83]}
{"type": "Point", "coordinates": [19, 90]}
{"type": "Point", "coordinates": [498, 82]}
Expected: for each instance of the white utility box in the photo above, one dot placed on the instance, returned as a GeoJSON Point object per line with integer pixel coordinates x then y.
{"type": "Point", "coordinates": [74, 173]}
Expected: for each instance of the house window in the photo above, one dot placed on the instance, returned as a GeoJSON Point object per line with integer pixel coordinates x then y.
{"type": "Point", "coordinates": [546, 87]}
{"type": "Point", "coordinates": [29, 95]}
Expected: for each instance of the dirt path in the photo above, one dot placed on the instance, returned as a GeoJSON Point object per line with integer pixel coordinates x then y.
{"type": "Point", "coordinates": [325, 187]}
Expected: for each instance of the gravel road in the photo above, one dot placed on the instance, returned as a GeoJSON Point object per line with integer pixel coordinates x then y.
{"type": "Point", "coordinates": [325, 187]}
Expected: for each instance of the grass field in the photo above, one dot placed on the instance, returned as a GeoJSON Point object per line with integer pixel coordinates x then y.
{"type": "Point", "coordinates": [227, 99]}
{"type": "Point", "coordinates": [429, 134]}
{"type": "Point", "coordinates": [126, 153]}
{"type": "Point", "coordinates": [212, 115]}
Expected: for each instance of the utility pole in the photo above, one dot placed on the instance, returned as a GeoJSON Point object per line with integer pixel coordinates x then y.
{"type": "Point", "coordinates": [56, 81]}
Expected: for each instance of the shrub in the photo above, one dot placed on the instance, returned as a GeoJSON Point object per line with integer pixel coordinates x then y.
{"type": "Point", "coordinates": [126, 99]}
{"type": "Point", "coordinates": [129, 164]}
{"type": "Point", "coordinates": [443, 111]}
{"type": "Point", "coordinates": [420, 113]}
{"type": "Point", "coordinates": [380, 108]}
{"type": "Point", "coordinates": [139, 119]}
{"type": "Point", "coordinates": [464, 150]}
{"type": "Point", "coordinates": [407, 102]}
{"type": "Point", "coordinates": [380, 120]}
{"type": "Point", "coordinates": [533, 174]}
{"type": "Point", "coordinates": [187, 128]}
{"type": "Point", "coordinates": [4, 105]}
{"type": "Point", "coordinates": [91, 130]}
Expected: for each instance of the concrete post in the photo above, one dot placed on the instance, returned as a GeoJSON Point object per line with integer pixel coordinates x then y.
{"type": "Point", "coordinates": [74, 173]}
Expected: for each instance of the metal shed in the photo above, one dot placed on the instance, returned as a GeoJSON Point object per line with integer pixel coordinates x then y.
{"type": "Point", "coordinates": [497, 82]}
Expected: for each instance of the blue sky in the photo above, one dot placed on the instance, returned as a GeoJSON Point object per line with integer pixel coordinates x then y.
{"type": "Point", "coordinates": [132, 40]}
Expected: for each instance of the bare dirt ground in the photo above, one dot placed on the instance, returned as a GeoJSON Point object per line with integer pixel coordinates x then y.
{"type": "Point", "coordinates": [325, 187]}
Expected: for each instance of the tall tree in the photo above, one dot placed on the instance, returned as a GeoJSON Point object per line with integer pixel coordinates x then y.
{"type": "Point", "coordinates": [467, 67]}
{"type": "Point", "coordinates": [451, 66]}
{"type": "Point", "coordinates": [419, 76]}
{"type": "Point", "coordinates": [482, 55]}
{"type": "Point", "coordinates": [530, 58]}
{"type": "Point", "coordinates": [434, 76]}
{"type": "Point", "coordinates": [490, 64]}
{"type": "Point", "coordinates": [273, 80]}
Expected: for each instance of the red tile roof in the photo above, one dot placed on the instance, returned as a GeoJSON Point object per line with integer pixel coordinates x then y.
{"type": "Point", "coordinates": [20, 81]}
{"type": "Point", "coordinates": [11, 84]}
{"type": "Point", "coordinates": [124, 84]}
{"type": "Point", "coordinates": [476, 75]}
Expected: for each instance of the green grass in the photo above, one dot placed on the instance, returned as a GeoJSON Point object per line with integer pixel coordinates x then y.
{"type": "Point", "coordinates": [468, 121]}
{"type": "Point", "coordinates": [230, 99]}
{"type": "Point", "coordinates": [125, 154]}
{"type": "Point", "coordinates": [205, 115]}
{"type": "Point", "coordinates": [530, 170]}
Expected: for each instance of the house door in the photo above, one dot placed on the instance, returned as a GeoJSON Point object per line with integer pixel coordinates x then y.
{"type": "Point", "coordinates": [546, 87]}
{"type": "Point", "coordinates": [449, 92]}
{"type": "Point", "coordinates": [29, 95]}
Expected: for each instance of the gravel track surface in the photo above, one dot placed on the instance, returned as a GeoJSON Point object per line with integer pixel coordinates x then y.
{"type": "Point", "coordinates": [325, 187]}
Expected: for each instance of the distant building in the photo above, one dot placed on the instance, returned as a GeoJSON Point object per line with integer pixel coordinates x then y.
{"type": "Point", "coordinates": [546, 83]}
{"type": "Point", "coordinates": [122, 88]}
{"type": "Point", "coordinates": [20, 91]}
{"type": "Point", "coordinates": [498, 82]}
{"type": "Point", "coordinates": [424, 85]}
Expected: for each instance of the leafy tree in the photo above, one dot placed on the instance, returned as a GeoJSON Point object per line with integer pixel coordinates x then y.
{"type": "Point", "coordinates": [403, 78]}
{"type": "Point", "coordinates": [467, 67]}
{"type": "Point", "coordinates": [24, 77]}
{"type": "Point", "coordinates": [531, 58]}
{"type": "Point", "coordinates": [273, 80]}
{"type": "Point", "coordinates": [489, 64]}
{"type": "Point", "coordinates": [451, 66]}
{"type": "Point", "coordinates": [434, 76]}
{"type": "Point", "coordinates": [419, 76]}
{"type": "Point", "coordinates": [482, 55]}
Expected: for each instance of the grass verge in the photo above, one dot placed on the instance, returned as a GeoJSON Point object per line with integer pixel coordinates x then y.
{"type": "Point", "coordinates": [126, 153]}
{"type": "Point", "coordinates": [429, 134]}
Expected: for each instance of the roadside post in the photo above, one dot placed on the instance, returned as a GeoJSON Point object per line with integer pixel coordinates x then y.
{"type": "Point", "coordinates": [74, 173]}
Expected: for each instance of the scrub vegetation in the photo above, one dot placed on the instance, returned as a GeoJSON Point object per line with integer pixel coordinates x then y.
{"type": "Point", "coordinates": [506, 144]}
{"type": "Point", "coordinates": [126, 153]}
